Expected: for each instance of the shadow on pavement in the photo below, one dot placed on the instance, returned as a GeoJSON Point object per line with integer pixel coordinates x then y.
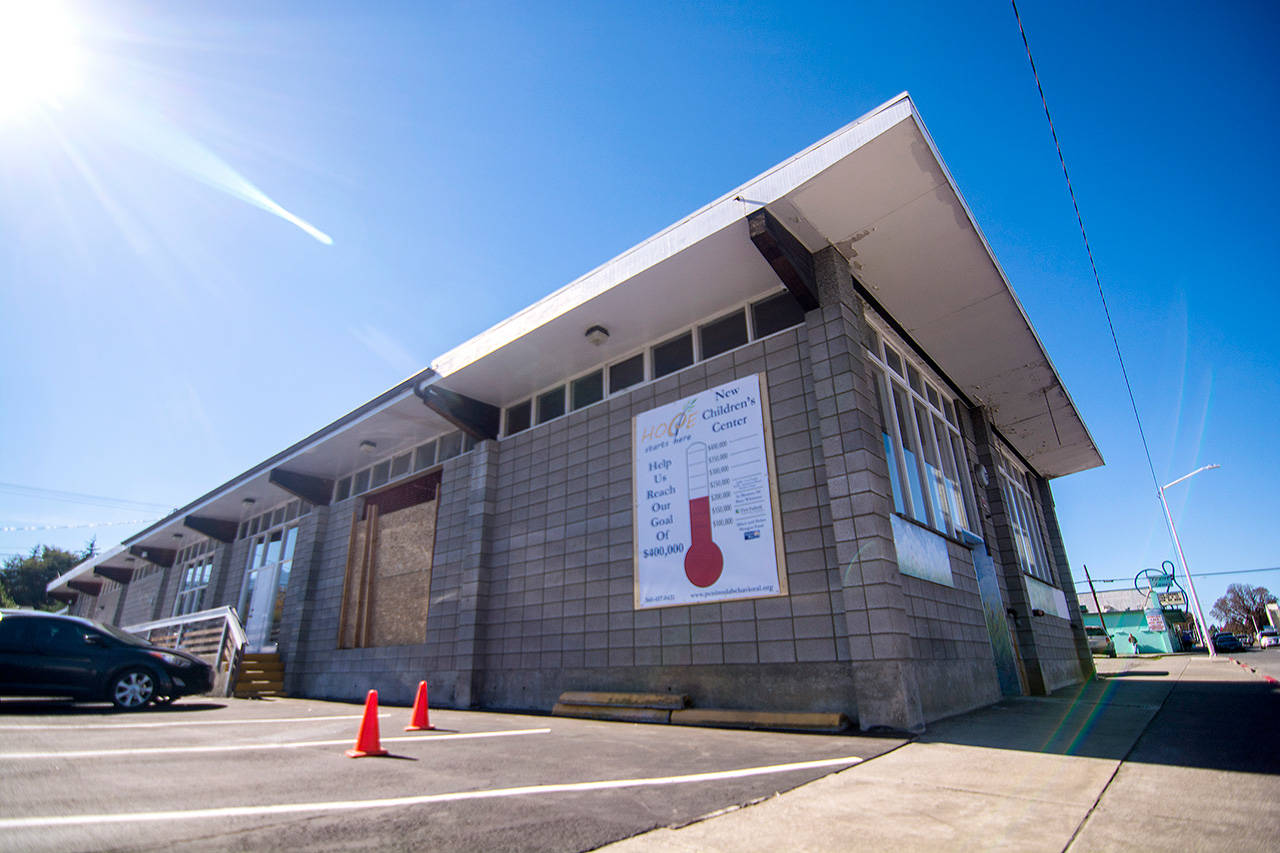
{"type": "Point", "coordinates": [1213, 724]}
{"type": "Point", "coordinates": [1134, 672]}
{"type": "Point", "coordinates": [67, 708]}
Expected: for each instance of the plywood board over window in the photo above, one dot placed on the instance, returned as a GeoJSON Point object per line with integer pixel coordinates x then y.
{"type": "Point", "coordinates": [388, 580]}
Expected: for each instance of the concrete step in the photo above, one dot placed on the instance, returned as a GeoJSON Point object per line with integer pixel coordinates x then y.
{"type": "Point", "coordinates": [662, 701]}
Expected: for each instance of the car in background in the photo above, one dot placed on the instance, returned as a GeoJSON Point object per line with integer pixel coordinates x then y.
{"type": "Point", "coordinates": [1268, 637]}
{"type": "Point", "coordinates": [45, 654]}
{"type": "Point", "coordinates": [1227, 643]}
{"type": "Point", "coordinates": [1100, 642]}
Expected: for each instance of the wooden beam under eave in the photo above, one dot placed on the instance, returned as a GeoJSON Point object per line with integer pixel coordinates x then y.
{"type": "Point", "coordinates": [222, 529]}
{"type": "Point", "coordinates": [162, 557]}
{"type": "Point", "coordinates": [119, 574]}
{"type": "Point", "coordinates": [64, 596]}
{"type": "Point", "coordinates": [476, 418]}
{"type": "Point", "coordinates": [316, 491]}
{"type": "Point", "coordinates": [787, 255]}
{"type": "Point", "coordinates": [87, 587]}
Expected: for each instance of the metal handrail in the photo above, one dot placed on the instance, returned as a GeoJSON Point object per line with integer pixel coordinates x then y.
{"type": "Point", "coordinates": [225, 612]}
{"type": "Point", "coordinates": [231, 628]}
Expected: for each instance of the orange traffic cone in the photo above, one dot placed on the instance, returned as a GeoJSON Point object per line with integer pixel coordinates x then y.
{"type": "Point", "coordinates": [367, 741]}
{"type": "Point", "coordinates": [418, 722]}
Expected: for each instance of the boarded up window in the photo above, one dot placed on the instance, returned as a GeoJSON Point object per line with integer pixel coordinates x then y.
{"type": "Point", "coordinates": [388, 581]}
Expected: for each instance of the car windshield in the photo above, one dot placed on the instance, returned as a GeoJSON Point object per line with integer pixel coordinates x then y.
{"type": "Point", "coordinates": [122, 636]}
{"type": "Point", "coordinates": [1095, 632]}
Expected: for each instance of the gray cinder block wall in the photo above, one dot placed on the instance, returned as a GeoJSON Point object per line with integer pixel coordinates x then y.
{"type": "Point", "coordinates": [532, 578]}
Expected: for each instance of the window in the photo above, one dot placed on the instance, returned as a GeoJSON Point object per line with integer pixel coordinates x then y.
{"type": "Point", "coordinates": [400, 465]}
{"type": "Point", "coordinates": [195, 566]}
{"type": "Point", "coordinates": [776, 313]}
{"type": "Point", "coordinates": [281, 514]}
{"type": "Point", "coordinates": [518, 418]}
{"type": "Point", "coordinates": [671, 356]}
{"type": "Point", "coordinates": [551, 404]}
{"type": "Point", "coordinates": [724, 334]}
{"type": "Point", "coordinates": [626, 373]}
{"type": "Point", "coordinates": [922, 442]}
{"type": "Point", "coordinates": [424, 456]}
{"type": "Point", "coordinates": [1020, 508]}
{"type": "Point", "coordinates": [587, 390]}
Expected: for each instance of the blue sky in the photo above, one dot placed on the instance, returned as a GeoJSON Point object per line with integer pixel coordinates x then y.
{"type": "Point", "coordinates": [162, 335]}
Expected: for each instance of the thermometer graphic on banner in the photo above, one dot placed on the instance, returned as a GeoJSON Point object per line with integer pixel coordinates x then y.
{"type": "Point", "coordinates": [703, 562]}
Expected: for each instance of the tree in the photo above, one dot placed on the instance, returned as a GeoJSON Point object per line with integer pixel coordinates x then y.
{"type": "Point", "coordinates": [23, 579]}
{"type": "Point", "coordinates": [1243, 606]}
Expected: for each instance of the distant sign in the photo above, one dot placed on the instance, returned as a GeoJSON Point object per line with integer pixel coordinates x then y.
{"type": "Point", "coordinates": [1155, 619]}
{"type": "Point", "coordinates": [706, 516]}
{"type": "Point", "coordinates": [1172, 599]}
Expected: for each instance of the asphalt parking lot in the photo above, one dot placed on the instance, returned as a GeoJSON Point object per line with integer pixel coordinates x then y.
{"type": "Point", "coordinates": [222, 774]}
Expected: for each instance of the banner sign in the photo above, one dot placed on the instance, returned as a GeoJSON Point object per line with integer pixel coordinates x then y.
{"type": "Point", "coordinates": [706, 520]}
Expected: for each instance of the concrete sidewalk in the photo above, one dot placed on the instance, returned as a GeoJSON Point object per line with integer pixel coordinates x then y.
{"type": "Point", "coordinates": [1173, 751]}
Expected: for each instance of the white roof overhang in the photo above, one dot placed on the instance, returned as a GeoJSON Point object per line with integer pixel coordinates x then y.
{"type": "Point", "coordinates": [395, 421]}
{"type": "Point", "coordinates": [876, 189]}
{"type": "Point", "coordinates": [879, 192]}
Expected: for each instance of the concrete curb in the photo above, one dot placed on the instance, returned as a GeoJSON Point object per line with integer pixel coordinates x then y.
{"type": "Point", "coordinates": [1244, 665]}
{"type": "Point", "coordinates": [800, 721]}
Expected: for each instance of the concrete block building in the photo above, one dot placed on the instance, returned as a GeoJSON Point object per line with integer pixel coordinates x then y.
{"type": "Point", "coordinates": [791, 453]}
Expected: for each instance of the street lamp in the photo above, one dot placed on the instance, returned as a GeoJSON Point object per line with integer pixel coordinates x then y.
{"type": "Point", "coordinates": [1200, 623]}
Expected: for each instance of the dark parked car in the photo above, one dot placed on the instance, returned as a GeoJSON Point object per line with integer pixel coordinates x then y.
{"type": "Point", "coordinates": [1227, 643]}
{"type": "Point", "coordinates": [42, 654]}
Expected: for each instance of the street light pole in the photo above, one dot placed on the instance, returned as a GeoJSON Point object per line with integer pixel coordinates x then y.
{"type": "Point", "coordinates": [1202, 625]}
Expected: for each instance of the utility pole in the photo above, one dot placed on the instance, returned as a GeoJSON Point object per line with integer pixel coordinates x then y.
{"type": "Point", "coordinates": [1201, 625]}
{"type": "Point", "coordinates": [1095, 598]}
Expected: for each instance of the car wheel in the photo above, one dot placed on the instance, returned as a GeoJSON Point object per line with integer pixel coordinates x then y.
{"type": "Point", "coordinates": [132, 689]}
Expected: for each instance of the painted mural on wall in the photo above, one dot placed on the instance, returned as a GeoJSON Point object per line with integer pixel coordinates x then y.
{"type": "Point", "coordinates": [706, 520]}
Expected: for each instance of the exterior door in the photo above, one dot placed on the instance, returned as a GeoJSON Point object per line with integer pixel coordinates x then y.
{"type": "Point", "coordinates": [265, 581]}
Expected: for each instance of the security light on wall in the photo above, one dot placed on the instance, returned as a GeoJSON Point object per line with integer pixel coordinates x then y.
{"type": "Point", "coordinates": [248, 503]}
{"type": "Point", "coordinates": [597, 335]}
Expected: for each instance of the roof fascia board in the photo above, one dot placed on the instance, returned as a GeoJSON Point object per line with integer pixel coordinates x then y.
{"type": "Point", "coordinates": [348, 421]}
{"type": "Point", "coordinates": [702, 223]}
{"type": "Point", "coordinates": [84, 566]}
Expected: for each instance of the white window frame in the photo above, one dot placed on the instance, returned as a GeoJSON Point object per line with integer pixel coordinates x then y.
{"type": "Point", "coordinates": [1024, 520]}
{"type": "Point", "coordinates": [746, 307]}
{"type": "Point", "coordinates": [928, 464]}
{"type": "Point", "coordinates": [195, 568]}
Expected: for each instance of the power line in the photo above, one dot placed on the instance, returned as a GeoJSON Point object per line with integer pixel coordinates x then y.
{"type": "Point", "coordinates": [78, 498]}
{"type": "Point", "coordinates": [1088, 249]}
{"type": "Point", "coordinates": [13, 528]}
{"type": "Point", "coordinates": [1198, 574]}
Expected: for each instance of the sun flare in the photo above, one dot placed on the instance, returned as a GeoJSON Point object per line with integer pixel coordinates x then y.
{"type": "Point", "coordinates": [40, 60]}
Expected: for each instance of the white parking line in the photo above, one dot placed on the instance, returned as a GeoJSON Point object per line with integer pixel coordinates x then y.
{"type": "Point", "coordinates": [75, 727]}
{"type": "Point", "coordinates": [392, 802]}
{"type": "Point", "coordinates": [251, 747]}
